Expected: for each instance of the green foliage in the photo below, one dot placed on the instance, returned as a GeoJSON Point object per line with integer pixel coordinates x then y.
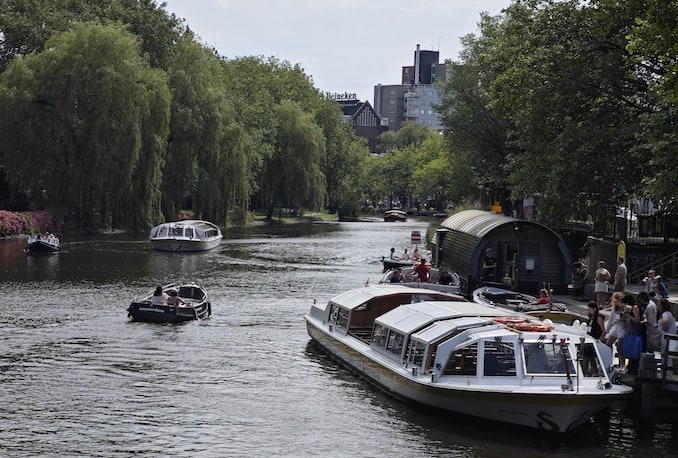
{"type": "Point", "coordinates": [547, 101]}
{"type": "Point", "coordinates": [73, 123]}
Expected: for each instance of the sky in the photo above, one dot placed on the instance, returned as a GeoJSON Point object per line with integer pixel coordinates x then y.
{"type": "Point", "coordinates": [345, 46]}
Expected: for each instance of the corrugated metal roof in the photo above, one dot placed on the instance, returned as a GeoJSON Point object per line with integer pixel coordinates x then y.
{"type": "Point", "coordinates": [479, 222]}
{"type": "Point", "coordinates": [476, 222]}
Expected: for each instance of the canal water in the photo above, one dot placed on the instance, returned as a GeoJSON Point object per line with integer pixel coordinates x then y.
{"type": "Point", "coordinates": [77, 378]}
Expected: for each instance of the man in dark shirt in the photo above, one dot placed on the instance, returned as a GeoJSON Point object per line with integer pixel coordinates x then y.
{"type": "Point", "coordinates": [489, 266]}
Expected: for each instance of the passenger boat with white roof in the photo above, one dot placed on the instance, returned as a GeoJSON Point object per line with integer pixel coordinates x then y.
{"type": "Point", "coordinates": [443, 352]}
{"type": "Point", "coordinates": [185, 235]}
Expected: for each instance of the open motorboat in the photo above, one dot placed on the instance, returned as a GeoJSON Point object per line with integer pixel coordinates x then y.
{"type": "Point", "coordinates": [395, 263]}
{"type": "Point", "coordinates": [513, 300]}
{"type": "Point", "coordinates": [411, 278]}
{"type": "Point", "coordinates": [186, 235]}
{"type": "Point", "coordinates": [395, 216]}
{"type": "Point", "coordinates": [42, 247]}
{"type": "Point", "coordinates": [43, 244]}
{"type": "Point", "coordinates": [177, 303]}
{"type": "Point", "coordinates": [446, 353]}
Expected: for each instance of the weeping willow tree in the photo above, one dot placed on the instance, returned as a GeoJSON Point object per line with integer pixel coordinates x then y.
{"type": "Point", "coordinates": [83, 127]}
{"type": "Point", "coordinates": [209, 158]}
{"type": "Point", "coordinates": [292, 177]}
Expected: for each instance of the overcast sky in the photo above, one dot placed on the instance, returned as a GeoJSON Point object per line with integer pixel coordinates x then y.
{"type": "Point", "coordinates": [343, 45]}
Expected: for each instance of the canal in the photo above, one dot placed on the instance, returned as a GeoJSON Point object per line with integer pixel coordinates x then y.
{"type": "Point", "coordinates": [77, 378]}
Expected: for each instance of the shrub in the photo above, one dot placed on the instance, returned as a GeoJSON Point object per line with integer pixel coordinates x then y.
{"type": "Point", "coordinates": [12, 223]}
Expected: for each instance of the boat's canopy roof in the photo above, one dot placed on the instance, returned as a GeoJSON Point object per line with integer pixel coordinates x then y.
{"type": "Point", "coordinates": [440, 329]}
{"type": "Point", "coordinates": [190, 222]}
{"type": "Point", "coordinates": [199, 226]}
{"type": "Point", "coordinates": [410, 317]}
{"type": "Point", "coordinates": [354, 298]}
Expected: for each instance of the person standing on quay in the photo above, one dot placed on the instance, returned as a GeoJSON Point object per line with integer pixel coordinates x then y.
{"type": "Point", "coordinates": [620, 275]}
{"type": "Point", "coordinates": [602, 278]}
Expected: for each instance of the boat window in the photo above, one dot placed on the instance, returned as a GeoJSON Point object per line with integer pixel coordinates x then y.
{"type": "Point", "coordinates": [334, 313]}
{"type": "Point", "coordinates": [342, 319]}
{"type": "Point", "coordinates": [416, 353]}
{"type": "Point", "coordinates": [463, 361]}
{"type": "Point", "coordinates": [163, 232]}
{"type": "Point", "coordinates": [499, 359]}
{"type": "Point", "coordinates": [176, 231]}
{"type": "Point", "coordinates": [546, 358]}
{"type": "Point", "coordinates": [379, 335]}
{"type": "Point", "coordinates": [591, 366]}
{"type": "Point", "coordinates": [395, 342]}
{"type": "Point", "coordinates": [189, 232]}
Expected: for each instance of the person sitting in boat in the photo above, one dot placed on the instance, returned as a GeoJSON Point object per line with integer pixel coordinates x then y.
{"type": "Point", "coordinates": [423, 271]}
{"type": "Point", "coordinates": [174, 299]}
{"type": "Point", "coordinates": [393, 255]}
{"type": "Point", "coordinates": [159, 297]}
{"type": "Point", "coordinates": [398, 276]}
{"type": "Point", "coordinates": [416, 256]}
{"type": "Point", "coordinates": [543, 298]}
{"type": "Point", "coordinates": [405, 256]}
{"type": "Point", "coordinates": [445, 277]}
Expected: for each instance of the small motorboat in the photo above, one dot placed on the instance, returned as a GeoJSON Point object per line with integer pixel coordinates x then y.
{"type": "Point", "coordinates": [443, 352]}
{"type": "Point", "coordinates": [178, 303]}
{"type": "Point", "coordinates": [390, 264]}
{"type": "Point", "coordinates": [47, 244]}
{"type": "Point", "coordinates": [391, 216]}
{"type": "Point", "coordinates": [512, 300]}
{"type": "Point", "coordinates": [186, 235]}
{"type": "Point", "coordinates": [451, 284]}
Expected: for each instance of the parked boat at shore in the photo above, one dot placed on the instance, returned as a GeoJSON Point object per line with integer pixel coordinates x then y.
{"type": "Point", "coordinates": [443, 352]}
{"type": "Point", "coordinates": [186, 235]}
{"type": "Point", "coordinates": [175, 304]}
{"type": "Point", "coordinates": [513, 300]}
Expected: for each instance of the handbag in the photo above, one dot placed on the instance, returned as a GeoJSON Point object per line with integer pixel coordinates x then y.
{"type": "Point", "coordinates": [632, 345]}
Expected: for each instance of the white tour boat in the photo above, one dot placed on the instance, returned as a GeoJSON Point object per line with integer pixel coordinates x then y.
{"type": "Point", "coordinates": [187, 235]}
{"type": "Point", "coordinates": [443, 352]}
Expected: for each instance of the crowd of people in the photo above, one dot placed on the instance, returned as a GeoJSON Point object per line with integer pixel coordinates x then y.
{"type": "Point", "coordinates": [636, 323]}
{"type": "Point", "coordinates": [46, 237]}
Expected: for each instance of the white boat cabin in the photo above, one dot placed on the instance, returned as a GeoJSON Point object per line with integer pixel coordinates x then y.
{"type": "Point", "coordinates": [444, 339]}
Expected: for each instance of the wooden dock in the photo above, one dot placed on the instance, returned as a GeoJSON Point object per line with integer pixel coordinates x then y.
{"type": "Point", "coordinates": [656, 383]}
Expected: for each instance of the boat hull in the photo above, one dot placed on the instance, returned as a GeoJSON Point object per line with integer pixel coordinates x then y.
{"type": "Point", "coordinates": [150, 313]}
{"type": "Point", "coordinates": [178, 245]}
{"type": "Point", "coordinates": [551, 410]}
{"type": "Point", "coordinates": [41, 247]}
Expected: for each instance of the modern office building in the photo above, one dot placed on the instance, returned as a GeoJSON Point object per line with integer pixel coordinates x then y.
{"type": "Point", "coordinates": [414, 98]}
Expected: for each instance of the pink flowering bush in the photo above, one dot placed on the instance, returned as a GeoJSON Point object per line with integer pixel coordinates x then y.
{"type": "Point", "coordinates": [42, 221]}
{"type": "Point", "coordinates": [12, 223]}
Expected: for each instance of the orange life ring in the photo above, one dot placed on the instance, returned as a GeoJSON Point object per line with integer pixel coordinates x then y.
{"type": "Point", "coordinates": [533, 327]}
{"type": "Point", "coordinates": [509, 319]}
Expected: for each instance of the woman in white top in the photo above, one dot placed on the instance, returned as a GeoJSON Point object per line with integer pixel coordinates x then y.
{"type": "Point", "coordinates": [602, 278]}
{"type": "Point", "coordinates": [616, 326]}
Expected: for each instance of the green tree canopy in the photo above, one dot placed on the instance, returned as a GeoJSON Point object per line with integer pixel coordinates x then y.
{"type": "Point", "coordinates": [75, 118]}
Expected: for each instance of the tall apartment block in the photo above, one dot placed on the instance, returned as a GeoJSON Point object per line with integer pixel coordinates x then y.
{"type": "Point", "coordinates": [413, 99]}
